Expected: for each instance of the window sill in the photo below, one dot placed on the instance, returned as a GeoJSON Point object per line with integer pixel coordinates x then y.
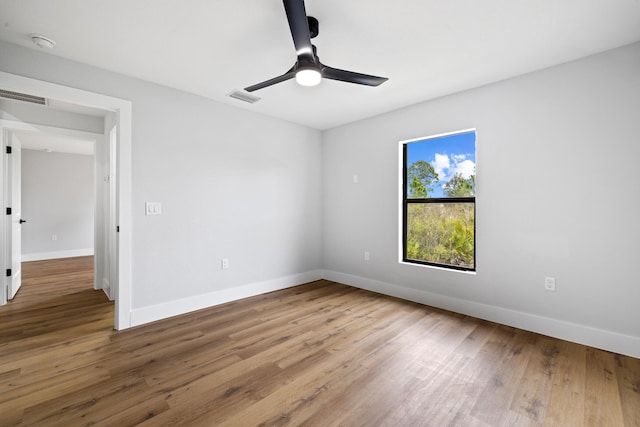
{"type": "Point", "coordinates": [435, 267]}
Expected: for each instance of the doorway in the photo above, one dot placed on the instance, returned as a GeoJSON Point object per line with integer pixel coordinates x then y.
{"type": "Point", "coordinates": [121, 109]}
{"type": "Point", "coordinates": [57, 212]}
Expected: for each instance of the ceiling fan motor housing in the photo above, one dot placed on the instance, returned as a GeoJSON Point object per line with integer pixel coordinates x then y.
{"type": "Point", "coordinates": [314, 28]}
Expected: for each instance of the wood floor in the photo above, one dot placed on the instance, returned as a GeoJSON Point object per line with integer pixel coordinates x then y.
{"type": "Point", "coordinates": [321, 354]}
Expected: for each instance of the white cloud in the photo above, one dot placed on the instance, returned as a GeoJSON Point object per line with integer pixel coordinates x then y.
{"type": "Point", "coordinates": [466, 168]}
{"type": "Point", "coordinates": [448, 165]}
{"type": "Point", "coordinates": [440, 164]}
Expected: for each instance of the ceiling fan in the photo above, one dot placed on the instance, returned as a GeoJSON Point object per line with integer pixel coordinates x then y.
{"type": "Point", "coordinates": [308, 70]}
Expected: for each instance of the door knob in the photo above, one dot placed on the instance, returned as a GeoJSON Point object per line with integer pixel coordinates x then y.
{"type": "Point", "coordinates": [21, 221]}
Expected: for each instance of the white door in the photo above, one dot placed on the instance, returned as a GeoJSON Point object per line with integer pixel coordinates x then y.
{"type": "Point", "coordinates": [15, 236]}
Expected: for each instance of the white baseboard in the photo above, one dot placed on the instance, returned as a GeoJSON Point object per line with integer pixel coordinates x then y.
{"type": "Point", "coordinates": [142, 315]}
{"type": "Point", "coordinates": [106, 287]}
{"type": "Point", "coordinates": [581, 334]}
{"type": "Point", "coordinates": [39, 256]}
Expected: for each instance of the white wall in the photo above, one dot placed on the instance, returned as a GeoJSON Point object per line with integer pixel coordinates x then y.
{"type": "Point", "coordinates": [57, 200]}
{"type": "Point", "coordinates": [557, 154]}
{"type": "Point", "coordinates": [233, 184]}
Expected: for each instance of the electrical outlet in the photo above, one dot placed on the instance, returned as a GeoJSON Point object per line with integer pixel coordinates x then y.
{"type": "Point", "coordinates": [550, 283]}
{"type": "Point", "coordinates": [54, 237]}
{"type": "Point", "coordinates": [225, 263]}
{"type": "Point", "coordinates": [366, 256]}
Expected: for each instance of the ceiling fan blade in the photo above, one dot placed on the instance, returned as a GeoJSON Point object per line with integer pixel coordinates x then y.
{"type": "Point", "coordinates": [299, 26]}
{"type": "Point", "coordinates": [352, 77]}
{"type": "Point", "coordinates": [288, 75]}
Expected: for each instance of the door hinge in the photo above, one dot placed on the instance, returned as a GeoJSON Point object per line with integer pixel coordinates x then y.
{"type": "Point", "coordinates": [118, 229]}
{"type": "Point", "coordinates": [8, 211]}
{"type": "Point", "coordinates": [8, 272]}
{"type": "Point", "coordinates": [8, 150]}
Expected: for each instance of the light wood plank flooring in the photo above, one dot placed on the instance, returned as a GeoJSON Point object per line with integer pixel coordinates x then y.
{"type": "Point", "coordinates": [320, 354]}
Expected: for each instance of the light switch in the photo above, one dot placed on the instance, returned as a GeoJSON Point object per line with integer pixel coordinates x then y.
{"type": "Point", "coordinates": [153, 208]}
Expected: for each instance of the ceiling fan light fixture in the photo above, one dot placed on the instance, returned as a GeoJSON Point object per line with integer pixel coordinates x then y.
{"type": "Point", "coordinates": [308, 76]}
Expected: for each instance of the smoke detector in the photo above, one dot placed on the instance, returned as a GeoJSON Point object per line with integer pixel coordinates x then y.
{"type": "Point", "coordinates": [42, 41]}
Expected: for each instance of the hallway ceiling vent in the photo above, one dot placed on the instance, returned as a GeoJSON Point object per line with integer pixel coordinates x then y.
{"type": "Point", "coordinates": [22, 97]}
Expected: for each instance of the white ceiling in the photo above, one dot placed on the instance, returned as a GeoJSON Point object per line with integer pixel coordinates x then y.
{"type": "Point", "coordinates": [55, 143]}
{"type": "Point", "coordinates": [427, 48]}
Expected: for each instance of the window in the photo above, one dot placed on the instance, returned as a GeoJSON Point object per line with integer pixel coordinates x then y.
{"type": "Point", "coordinates": [438, 202]}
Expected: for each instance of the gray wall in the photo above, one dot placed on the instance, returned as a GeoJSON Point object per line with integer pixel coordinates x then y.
{"type": "Point", "coordinates": [557, 154]}
{"type": "Point", "coordinates": [57, 199]}
{"type": "Point", "coordinates": [233, 184]}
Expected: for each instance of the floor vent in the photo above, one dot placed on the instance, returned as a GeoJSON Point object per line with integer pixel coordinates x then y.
{"type": "Point", "coordinates": [244, 96]}
{"type": "Point", "coordinates": [22, 97]}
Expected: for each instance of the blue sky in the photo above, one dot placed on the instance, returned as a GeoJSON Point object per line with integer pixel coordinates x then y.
{"type": "Point", "coordinates": [448, 155]}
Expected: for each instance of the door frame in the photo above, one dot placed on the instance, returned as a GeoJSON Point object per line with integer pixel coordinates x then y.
{"type": "Point", "coordinates": [122, 289]}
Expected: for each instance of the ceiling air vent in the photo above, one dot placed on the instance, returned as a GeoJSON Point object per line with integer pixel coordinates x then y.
{"type": "Point", "coordinates": [22, 97]}
{"type": "Point", "coordinates": [244, 96]}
